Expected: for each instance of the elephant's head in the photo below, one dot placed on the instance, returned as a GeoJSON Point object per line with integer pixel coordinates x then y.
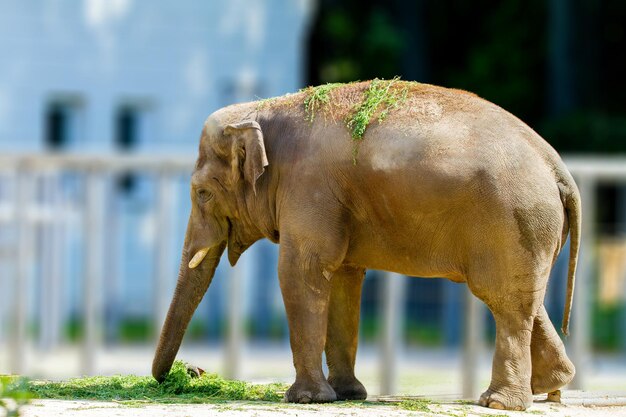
{"type": "Point", "coordinates": [231, 159]}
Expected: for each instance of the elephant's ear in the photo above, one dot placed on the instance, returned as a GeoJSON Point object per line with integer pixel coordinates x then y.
{"type": "Point", "coordinates": [248, 156]}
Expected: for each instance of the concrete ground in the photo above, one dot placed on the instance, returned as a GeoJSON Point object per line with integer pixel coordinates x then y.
{"type": "Point", "coordinates": [574, 404]}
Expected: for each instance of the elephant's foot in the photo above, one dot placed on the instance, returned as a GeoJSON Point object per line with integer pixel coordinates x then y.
{"type": "Point", "coordinates": [303, 391]}
{"type": "Point", "coordinates": [506, 399]}
{"type": "Point", "coordinates": [554, 396]}
{"type": "Point", "coordinates": [348, 388]}
{"type": "Point", "coordinates": [549, 378]}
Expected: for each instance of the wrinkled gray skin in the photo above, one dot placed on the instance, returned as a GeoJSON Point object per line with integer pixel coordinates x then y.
{"type": "Point", "coordinates": [448, 186]}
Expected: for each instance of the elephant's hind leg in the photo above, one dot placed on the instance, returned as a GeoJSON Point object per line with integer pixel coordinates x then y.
{"type": "Point", "coordinates": [514, 300]}
{"type": "Point", "coordinates": [342, 333]}
{"type": "Point", "coordinates": [511, 369]}
{"type": "Point", "coordinates": [552, 369]}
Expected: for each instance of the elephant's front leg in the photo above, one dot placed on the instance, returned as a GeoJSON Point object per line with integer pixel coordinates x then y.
{"type": "Point", "coordinates": [343, 331]}
{"type": "Point", "coordinates": [306, 293]}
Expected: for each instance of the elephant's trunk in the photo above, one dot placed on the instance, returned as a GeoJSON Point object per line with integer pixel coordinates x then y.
{"type": "Point", "coordinates": [190, 288]}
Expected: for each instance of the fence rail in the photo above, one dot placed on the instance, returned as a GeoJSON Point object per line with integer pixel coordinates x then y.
{"type": "Point", "coordinates": [97, 162]}
{"type": "Point", "coordinates": [23, 210]}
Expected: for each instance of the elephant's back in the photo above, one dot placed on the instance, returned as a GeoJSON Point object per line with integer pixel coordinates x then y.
{"type": "Point", "coordinates": [424, 141]}
{"type": "Point", "coordinates": [479, 155]}
{"type": "Point", "coordinates": [407, 123]}
{"type": "Point", "coordinates": [456, 144]}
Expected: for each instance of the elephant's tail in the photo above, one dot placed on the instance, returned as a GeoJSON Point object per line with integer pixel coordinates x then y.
{"type": "Point", "coordinates": [571, 200]}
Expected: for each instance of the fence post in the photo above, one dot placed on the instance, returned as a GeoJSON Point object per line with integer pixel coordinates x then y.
{"type": "Point", "coordinates": [94, 254]}
{"type": "Point", "coordinates": [164, 218]}
{"type": "Point", "coordinates": [235, 326]}
{"type": "Point", "coordinates": [25, 248]}
{"type": "Point", "coordinates": [472, 344]}
{"type": "Point", "coordinates": [581, 310]}
{"type": "Point", "coordinates": [51, 282]}
{"type": "Point", "coordinates": [392, 326]}
{"type": "Point", "coordinates": [621, 210]}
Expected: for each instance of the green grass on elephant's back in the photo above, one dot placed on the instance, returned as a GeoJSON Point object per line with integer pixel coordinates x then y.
{"type": "Point", "coordinates": [178, 387]}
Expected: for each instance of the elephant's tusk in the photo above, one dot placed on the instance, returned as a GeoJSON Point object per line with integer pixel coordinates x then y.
{"type": "Point", "coordinates": [198, 257]}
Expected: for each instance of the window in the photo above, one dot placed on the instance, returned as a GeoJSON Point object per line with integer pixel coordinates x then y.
{"type": "Point", "coordinates": [56, 135]}
{"type": "Point", "coordinates": [127, 129]}
{"type": "Point", "coordinates": [132, 123]}
{"type": "Point", "coordinates": [63, 123]}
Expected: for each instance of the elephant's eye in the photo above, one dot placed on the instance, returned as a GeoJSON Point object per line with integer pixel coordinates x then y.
{"type": "Point", "coordinates": [203, 195]}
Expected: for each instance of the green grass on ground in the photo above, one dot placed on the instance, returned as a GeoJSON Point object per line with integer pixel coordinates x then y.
{"type": "Point", "coordinates": [14, 394]}
{"type": "Point", "coordinates": [178, 387]}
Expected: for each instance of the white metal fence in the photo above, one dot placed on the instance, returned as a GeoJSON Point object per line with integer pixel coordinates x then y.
{"type": "Point", "coordinates": [21, 208]}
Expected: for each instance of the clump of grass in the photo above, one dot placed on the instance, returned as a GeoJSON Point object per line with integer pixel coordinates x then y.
{"type": "Point", "coordinates": [379, 97]}
{"type": "Point", "coordinates": [416, 405]}
{"type": "Point", "coordinates": [178, 387]}
{"type": "Point", "coordinates": [14, 394]}
{"type": "Point", "coordinates": [316, 97]}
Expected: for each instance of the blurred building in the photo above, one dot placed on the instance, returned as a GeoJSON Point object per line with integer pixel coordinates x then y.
{"type": "Point", "coordinates": [130, 75]}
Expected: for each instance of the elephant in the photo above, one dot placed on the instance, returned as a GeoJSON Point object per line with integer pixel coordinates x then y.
{"type": "Point", "coordinates": [391, 175]}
